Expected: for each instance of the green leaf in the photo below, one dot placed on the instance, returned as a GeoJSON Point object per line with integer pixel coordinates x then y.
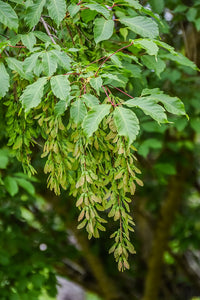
{"type": "Point", "coordinates": [42, 36]}
{"type": "Point", "coordinates": [33, 93]}
{"type": "Point", "coordinates": [34, 12]}
{"type": "Point", "coordinates": [73, 9]}
{"type": "Point", "coordinates": [135, 70]}
{"type": "Point", "coordinates": [154, 64]}
{"type": "Point", "coordinates": [191, 14]}
{"type": "Point", "coordinates": [17, 1]}
{"type": "Point", "coordinates": [4, 80]}
{"type": "Point", "coordinates": [49, 63]}
{"type": "Point", "coordinates": [151, 126]}
{"type": "Point", "coordinates": [166, 168]}
{"type": "Point", "coordinates": [17, 66]}
{"type": "Point", "coordinates": [134, 3]}
{"type": "Point", "coordinates": [78, 111]}
{"type": "Point", "coordinates": [127, 123]}
{"type": "Point", "coordinates": [88, 15]}
{"type": "Point", "coordinates": [8, 16]}
{"type": "Point", "coordinates": [180, 59]}
{"type": "Point", "coordinates": [11, 185]}
{"type": "Point", "coordinates": [25, 184]}
{"type": "Point", "coordinates": [145, 146]}
{"type": "Point", "coordinates": [96, 83]}
{"type": "Point", "coordinates": [180, 8]}
{"type": "Point", "coordinates": [149, 107]}
{"type": "Point", "coordinates": [94, 117]}
{"type": "Point", "coordinates": [61, 106]}
{"type": "Point", "coordinates": [62, 59]}
{"type": "Point", "coordinates": [172, 104]}
{"type": "Point", "coordinates": [3, 159]}
{"type": "Point", "coordinates": [100, 9]}
{"type": "Point", "coordinates": [115, 60]}
{"type": "Point", "coordinates": [90, 100]}
{"type": "Point", "coordinates": [195, 124]}
{"type": "Point", "coordinates": [150, 47]}
{"type": "Point", "coordinates": [143, 26]}
{"type": "Point", "coordinates": [118, 81]}
{"type": "Point", "coordinates": [30, 62]}
{"type": "Point", "coordinates": [57, 10]}
{"type": "Point", "coordinates": [60, 86]}
{"type": "Point", "coordinates": [28, 40]}
{"type": "Point", "coordinates": [165, 46]}
{"type": "Point", "coordinates": [157, 5]}
{"type": "Point", "coordinates": [103, 29]}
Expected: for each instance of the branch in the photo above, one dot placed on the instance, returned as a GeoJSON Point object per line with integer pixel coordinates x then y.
{"type": "Point", "coordinates": [47, 30]}
{"type": "Point", "coordinates": [15, 46]}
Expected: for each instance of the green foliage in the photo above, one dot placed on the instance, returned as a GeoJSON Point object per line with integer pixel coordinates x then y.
{"type": "Point", "coordinates": [103, 29]}
{"type": "Point", "coordinates": [57, 9]}
{"type": "Point", "coordinates": [4, 85]}
{"type": "Point", "coordinates": [127, 123]}
{"type": "Point", "coordinates": [143, 26]}
{"type": "Point", "coordinates": [82, 118]}
{"type": "Point", "coordinates": [8, 16]}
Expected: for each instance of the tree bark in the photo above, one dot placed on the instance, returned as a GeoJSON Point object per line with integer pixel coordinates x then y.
{"type": "Point", "coordinates": [160, 241]}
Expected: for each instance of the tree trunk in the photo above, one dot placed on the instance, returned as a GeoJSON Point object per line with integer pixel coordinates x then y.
{"type": "Point", "coordinates": [162, 233]}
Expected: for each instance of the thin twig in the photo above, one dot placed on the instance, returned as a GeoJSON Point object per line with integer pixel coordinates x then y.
{"type": "Point", "coordinates": [72, 73]}
{"type": "Point", "coordinates": [116, 104]}
{"type": "Point", "coordinates": [6, 53]}
{"type": "Point", "coordinates": [15, 46]}
{"type": "Point", "coordinates": [94, 62]}
{"type": "Point", "coordinates": [47, 30]}
{"type": "Point", "coordinates": [109, 99]}
{"type": "Point", "coordinates": [121, 91]}
{"type": "Point", "coordinates": [70, 33]}
{"type": "Point", "coordinates": [52, 28]}
{"type": "Point", "coordinates": [112, 55]}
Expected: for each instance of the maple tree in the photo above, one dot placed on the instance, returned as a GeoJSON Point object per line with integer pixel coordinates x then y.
{"type": "Point", "coordinates": [74, 82]}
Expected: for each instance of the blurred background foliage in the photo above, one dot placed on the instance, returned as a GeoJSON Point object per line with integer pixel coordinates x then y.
{"type": "Point", "coordinates": [38, 235]}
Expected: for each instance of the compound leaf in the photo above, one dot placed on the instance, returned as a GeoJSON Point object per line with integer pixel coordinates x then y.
{"type": "Point", "coordinates": [149, 107]}
{"type": "Point", "coordinates": [11, 185]}
{"type": "Point", "coordinates": [100, 9]}
{"type": "Point", "coordinates": [4, 80]}
{"type": "Point", "coordinates": [78, 111]}
{"type": "Point", "coordinates": [33, 93]}
{"type": "Point", "coordinates": [8, 16]}
{"type": "Point", "coordinates": [57, 10]}
{"type": "Point", "coordinates": [29, 40]}
{"type": "Point", "coordinates": [60, 86]}
{"type": "Point", "coordinates": [96, 83]}
{"type": "Point", "coordinates": [172, 104]}
{"type": "Point", "coordinates": [49, 63]}
{"type": "Point", "coordinates": [103, 29]}
{"type": "Point", "coordinates": [127, 123]}
{"type": "Point", "coordinates": [33, 13]}
{"type": "Point", "coordinates": [94, 117]}
{"type": "Point", "coordinates": [143, 26]}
